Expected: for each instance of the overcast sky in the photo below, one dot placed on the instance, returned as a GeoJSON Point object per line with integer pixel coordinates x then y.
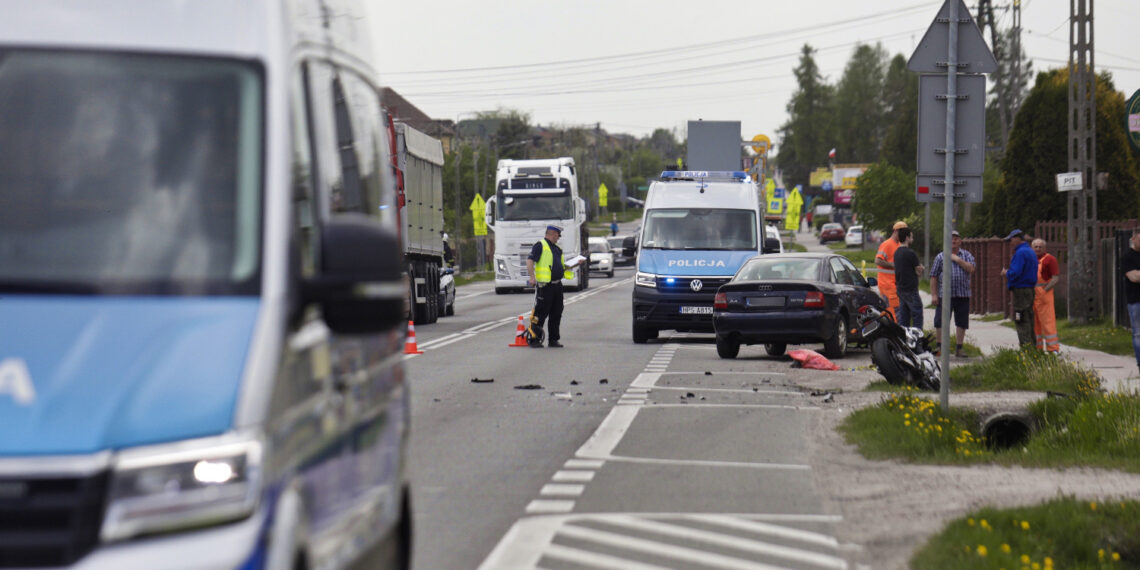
{"type": "Point", "coordinates": [635, 66]}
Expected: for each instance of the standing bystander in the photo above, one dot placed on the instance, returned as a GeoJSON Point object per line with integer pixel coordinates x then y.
{"type": "Point", "coordinates": [963, 266]}
{"type": "Point", "coordinates": [1021, 278]}
{"type": "Point", "coordinates": [1044, 318]}
{"type": "Point", "coordinates": [885, 261]}
{"type": "Point", "coordinates": [907, 271]}
{"type": "Point", "coordinates": [1130, 265]}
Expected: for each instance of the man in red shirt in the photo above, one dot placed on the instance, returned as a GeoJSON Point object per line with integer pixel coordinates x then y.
{"type": "Point", "coordinates": [1044, 319]}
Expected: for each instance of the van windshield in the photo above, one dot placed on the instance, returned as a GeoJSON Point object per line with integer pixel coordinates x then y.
{"type": "Point", "coordinates": [129, 174]}
{"type": "Point", "coordinates": [700, 228]}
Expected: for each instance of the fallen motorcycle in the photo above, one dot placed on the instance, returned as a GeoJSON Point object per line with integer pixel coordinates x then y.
{"type": "Point", "coordinates": [903, 355]}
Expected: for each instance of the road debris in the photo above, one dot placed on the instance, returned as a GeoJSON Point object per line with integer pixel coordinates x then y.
{"type": "Point", "coordinates": [528, 387]}
{"type": "Point", "coordinates": [482, 380]}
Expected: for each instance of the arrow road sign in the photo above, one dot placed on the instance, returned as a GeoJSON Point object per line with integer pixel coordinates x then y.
{"type": "Point", "coordinates": [974, 55]}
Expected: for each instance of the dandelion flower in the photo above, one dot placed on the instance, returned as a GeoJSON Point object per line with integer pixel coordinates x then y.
{"type": "Point", "coordinates": [1025, 526]}
{"type": "Point", "coordinates": [1025, 559]}
{"type": "Point", "coordinates": [1005, 548]}
{"type": "Point", "coordinates": [982, 550]}
{"type": "Point", "coordinates": [1116, 557]}
{"type": "Point", "coordinates": [970, 522]}
{"type": "Point", "coordinates": [1092, 505]}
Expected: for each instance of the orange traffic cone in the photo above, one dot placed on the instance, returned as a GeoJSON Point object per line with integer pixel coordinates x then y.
{"type": "Point", "coordinates": [410, 345]}
{"type": "Point", "coordinates": [519, 331]}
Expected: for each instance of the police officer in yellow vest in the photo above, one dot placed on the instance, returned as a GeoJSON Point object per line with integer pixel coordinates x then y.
{"type": "Point", "coordinates": [546, 269]}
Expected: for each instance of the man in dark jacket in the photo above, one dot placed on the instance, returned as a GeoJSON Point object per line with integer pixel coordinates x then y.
{"type": "Point", "coordinates": [907, 270]}
{"type": "Point", "coordinates": [1021, 277]}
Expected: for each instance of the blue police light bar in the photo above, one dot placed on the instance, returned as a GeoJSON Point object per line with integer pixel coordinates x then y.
{"type": "Point", "coordinates": [714, 174]}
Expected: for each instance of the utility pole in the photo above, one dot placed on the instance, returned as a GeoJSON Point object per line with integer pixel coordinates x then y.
{"type": "Point", "coordinates": [1082, 229]}
{"type": "Point", "coordinates": [597, 173]}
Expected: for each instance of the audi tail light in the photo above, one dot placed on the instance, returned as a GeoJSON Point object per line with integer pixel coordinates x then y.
{"type": "Point", "coordinates": [720, 301]}
{"type": "Point", "coordinates": [814, 299]}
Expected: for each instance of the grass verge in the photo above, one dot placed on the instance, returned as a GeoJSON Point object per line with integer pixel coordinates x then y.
{"type": "Point", "coordinates": [1099, 335]}
{"type": "Point", "coordinates": [1024, 369]}
{"type": "Point", "coordinates": [1062, 533]}
{"type": "Point", "coordinates": [1080, 426]}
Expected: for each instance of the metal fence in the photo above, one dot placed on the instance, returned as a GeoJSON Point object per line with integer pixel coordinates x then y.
{"type": "Point", "coordinates": [988, 287]}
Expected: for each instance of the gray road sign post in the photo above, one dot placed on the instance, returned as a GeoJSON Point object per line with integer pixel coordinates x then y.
{"type": "Point", "coordinates": [963, 54]}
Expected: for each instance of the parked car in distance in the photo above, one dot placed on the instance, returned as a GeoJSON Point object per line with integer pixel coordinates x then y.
{"type": "Point", "coordinates": [791, 298]}
{"type": "Point", "coordinates": [854, 236]}
{"type": "Point", "coordinates": [831, 231]}
{"type": "Point", "coordinates": [772, 232]}
{"type": "Point", "coordinates": [601, 258]}
{"type": "Point", "coordinates": [447, 291]}
{"type": "Point", "coordinates": [616, 247]}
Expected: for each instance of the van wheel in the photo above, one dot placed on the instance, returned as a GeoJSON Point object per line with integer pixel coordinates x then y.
{"type": "Point", "coordinates": [642, 333]}
{"type": "Point", "coordinates": [727, 346]}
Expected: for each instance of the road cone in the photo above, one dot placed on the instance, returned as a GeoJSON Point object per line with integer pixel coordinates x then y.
{"type": "Point", "coordinates": [410, 345]}
{"type": "Point", "coordinates": [519, 331]}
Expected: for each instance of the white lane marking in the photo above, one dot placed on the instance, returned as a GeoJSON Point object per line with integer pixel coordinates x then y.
{"type": "Point", "coordinates": [737, 543]}
{"type": "Point", "coordinates": [762, 406]}
{"type": "Point", "coordinates": [757, 527]}
{"type": "Point", "coordinates": [583, 464]}
{"type": "Point", "coordinates": [435, 341]}
{"type": "Point", "coordinates": [573, 476]}
{"type": "Point", "coordinates": [702, 373]}
{"type": "Point", "coordinates": [662, 549]}
{"type": "Point", "coordinates": [442, 344]}
{"type": "Point", "coordinates": [595, 559]}
{"type": "Point", "coordinates": [469, 295]}
{"type": "Point", "coordinates": [604, 439]}
{"type": "Point", "coordinates": [705, 463]}
{"type": "Point", "coordinates": [552, 489]}
{"type": "Point", "coordinates": [732, 390]}
{"type": "Point", "coordinates": [523, 545]}
{"type": "Point", "coordinates": [539, 506]}
{"type": "Point", "coordinates": [646, 381]}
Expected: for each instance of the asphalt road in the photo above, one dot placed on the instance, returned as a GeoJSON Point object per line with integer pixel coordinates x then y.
{"type": "Point", "coordinates": [623, 456]}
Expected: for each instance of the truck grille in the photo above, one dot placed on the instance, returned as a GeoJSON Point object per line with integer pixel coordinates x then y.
{"type": "Point", "coordinates": [49, 522]}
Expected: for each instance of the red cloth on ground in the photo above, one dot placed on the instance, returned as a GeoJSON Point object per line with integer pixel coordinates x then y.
{"type": "Point", "coordinates": [812, 359]}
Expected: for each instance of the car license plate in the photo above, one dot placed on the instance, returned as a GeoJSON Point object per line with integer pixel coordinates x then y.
{"type": "Point", "coordinates": [703, 310]}
{"type": "Point", "coordinates": [765, 301]}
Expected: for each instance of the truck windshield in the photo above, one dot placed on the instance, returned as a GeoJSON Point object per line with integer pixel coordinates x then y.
{"type": "Point", "coordinates": [703, 229]}
{"type": "Point", "coordinates": [128, 174]}
{"type": "Point", "coordinates": [530, 207]}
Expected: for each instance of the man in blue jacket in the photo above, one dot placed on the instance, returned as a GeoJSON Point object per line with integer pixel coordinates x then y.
{"type": "Point", "coordinates": [1021, 277]}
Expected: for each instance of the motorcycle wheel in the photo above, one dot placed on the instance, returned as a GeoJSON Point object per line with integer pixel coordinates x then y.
{"type": "Point", "coordinates": [883, 355]}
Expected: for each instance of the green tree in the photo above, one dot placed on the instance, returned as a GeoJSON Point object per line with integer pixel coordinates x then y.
{"type": "Point", "coordinates": [884, 194]}
{"type": "Point", "coordinates": [900, 98]}
{"type": "Point", "coordinates": [809, 132]}
{"type": "Point", "coordinates": [1026, 192]}
{"type": "Point", "coordinates": [859, 105]}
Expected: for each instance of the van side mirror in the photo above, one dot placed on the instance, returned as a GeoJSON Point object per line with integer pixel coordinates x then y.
{"type": "Point", "coordinates": [489, 215]}
{"type": "Point", "coordinates": [629, 246]}
{"type": "Point", "coordinates": [360, 284]}
{"type": "Point", "coordinates": [771, 245]}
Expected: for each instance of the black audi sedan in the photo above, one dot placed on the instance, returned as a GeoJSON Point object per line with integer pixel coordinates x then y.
{"type": "Point", "coordinates": [792, 298]}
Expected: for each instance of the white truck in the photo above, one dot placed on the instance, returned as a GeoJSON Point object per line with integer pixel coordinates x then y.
{"type": "Point", "coordinates": [418, 162]}
{"type": "Point", "coordinates": [530, 195]}
{"type": "Point", "coordinates": [699, 227]}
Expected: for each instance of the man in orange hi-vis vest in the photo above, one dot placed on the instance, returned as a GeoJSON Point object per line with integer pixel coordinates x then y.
{"type": "Point", "coordinates": [885, 261]}
{"type": "Point", "coordinates": [1044, 319]}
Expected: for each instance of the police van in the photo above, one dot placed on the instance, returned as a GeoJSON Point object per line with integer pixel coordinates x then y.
{"type": "Point", "coordinates": [202, 312]}
{"type": "Point", "coordinates": [698, 228]}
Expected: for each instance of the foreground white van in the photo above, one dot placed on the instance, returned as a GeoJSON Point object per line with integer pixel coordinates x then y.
{"type": "Point", "coordinates": [201, 303]}
{"type": "Point", "coordinates": [698, 228]}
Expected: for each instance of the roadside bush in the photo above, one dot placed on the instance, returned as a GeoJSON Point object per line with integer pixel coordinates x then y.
{"type": "Point", "coordinates": [906, 425]}
{"type": "Point", "coordinates": [819, 220]}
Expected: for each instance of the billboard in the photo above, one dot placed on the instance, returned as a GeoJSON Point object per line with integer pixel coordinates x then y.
{"type": "Point", "coordinates": [843, 178]}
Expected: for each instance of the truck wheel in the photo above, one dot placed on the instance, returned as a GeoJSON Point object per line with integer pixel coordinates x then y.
{"type": "Point", "coordinates": [727, 346]}
{"type": "Point", "coordinates": [434, 308]}
{"type": "Point", "coordinates": [420, 310]}
{"type": "Point", "coordinates": [501, 290]}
